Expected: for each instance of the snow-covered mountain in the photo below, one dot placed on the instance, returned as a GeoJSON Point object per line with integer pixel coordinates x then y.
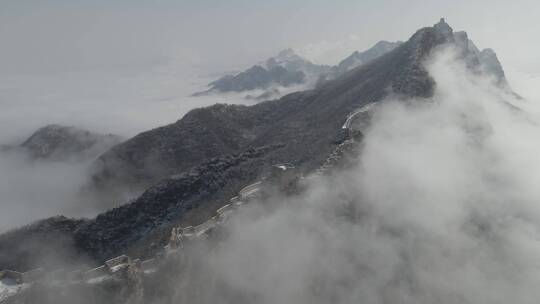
{"type": "Point", "coordinates": [288, 69]}
{"type": "Point", "coordinates": [195, 172]}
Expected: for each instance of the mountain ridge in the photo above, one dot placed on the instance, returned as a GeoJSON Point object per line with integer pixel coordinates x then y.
{"type": "Point", "coordinates": [288, 69]}
{"type": "Point", "coordinates": [302, 128]}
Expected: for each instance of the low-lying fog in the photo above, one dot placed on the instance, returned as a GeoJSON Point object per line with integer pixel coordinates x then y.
{"type": "Point", "coordinates": [123, 102]}
{"type": "Point", "coordinates": [442, 207]}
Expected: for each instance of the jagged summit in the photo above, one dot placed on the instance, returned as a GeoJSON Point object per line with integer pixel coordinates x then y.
{"type": "Point", "coordinates": [479, 61]}
{"type": "Point", "coordinates": [426, 38]}
{"type": "Point", "coordinates": [357, 59]}
{"type": "Point", "coordinates": [443, 27]}
{"type": "Point", "coordinates": [484, 61]}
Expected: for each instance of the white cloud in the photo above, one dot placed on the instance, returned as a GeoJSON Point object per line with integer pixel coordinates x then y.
{"type": "Point", "coordinates": [441, 208]}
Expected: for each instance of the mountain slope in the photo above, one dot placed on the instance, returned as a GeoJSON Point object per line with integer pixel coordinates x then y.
{"type": "Point", "coordinates": [301, 119]}
{"type": "Point", "coordinates": [217, 150]}
{"type": "Point", "coordinates": [152, 155]}
{"type": "Point", "coordinates": [305, 125]}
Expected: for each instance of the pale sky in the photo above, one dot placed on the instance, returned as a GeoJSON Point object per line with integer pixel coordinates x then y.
{"type": "Point", "coordinates": [62, 34]}
{"type": "Point", "coordinates": [78, 59]}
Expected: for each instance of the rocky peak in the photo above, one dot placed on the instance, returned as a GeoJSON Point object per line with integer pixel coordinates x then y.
{"type": "Point", "coordinates": [443, 27]}
{"type": "Point", "coordinates": [427, 38]}
{"type": "Point", "coordinates": [484, 61]}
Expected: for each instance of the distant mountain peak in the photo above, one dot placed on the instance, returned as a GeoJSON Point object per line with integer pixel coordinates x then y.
{"type": "Point", "coordinates": [286, 57]}
{"type": "Point", "coordinates": [285, 69]}
{"type": "Point", "coordinates": [60, 142]}
{"type": "Point", "coordinates": [286, 53]}
{"type": "Point", "coordinates": [443, 27]}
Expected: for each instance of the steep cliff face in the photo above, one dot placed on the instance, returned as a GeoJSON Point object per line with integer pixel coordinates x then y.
{"type": "Point", "coordinates": [215, 151]}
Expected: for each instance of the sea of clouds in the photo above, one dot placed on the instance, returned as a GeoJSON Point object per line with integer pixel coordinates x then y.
{"type": "Point", "coordinates": [441, 207]}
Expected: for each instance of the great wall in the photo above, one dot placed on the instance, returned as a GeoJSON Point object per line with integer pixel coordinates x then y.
{"type": "Point", "coordinates": [13, 282]}
{"type": "Point", "coordinates": [124, 267]}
